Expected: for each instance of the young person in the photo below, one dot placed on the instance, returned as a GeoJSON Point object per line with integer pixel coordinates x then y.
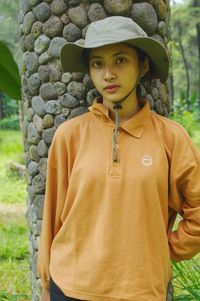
{"type": "Point", "coordinates": [117, 177]}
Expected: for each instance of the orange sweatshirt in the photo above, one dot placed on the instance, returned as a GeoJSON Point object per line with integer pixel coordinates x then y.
{"type": "Point", "coordinates": [107, 230]}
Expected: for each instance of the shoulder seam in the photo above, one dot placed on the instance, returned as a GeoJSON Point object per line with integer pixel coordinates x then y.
{"type": "Point", "coordinates": [183, 131]}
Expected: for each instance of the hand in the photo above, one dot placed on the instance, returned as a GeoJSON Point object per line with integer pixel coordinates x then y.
{"type": "Point", "coordinates": [45, 295]}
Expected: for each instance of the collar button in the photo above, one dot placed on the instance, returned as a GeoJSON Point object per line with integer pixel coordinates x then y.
{"type": "Point", "coordinates": [115, 163]}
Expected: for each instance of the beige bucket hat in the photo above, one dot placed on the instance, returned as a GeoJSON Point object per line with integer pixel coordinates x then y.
{"type": "Point", "coordinates": [111, 30]}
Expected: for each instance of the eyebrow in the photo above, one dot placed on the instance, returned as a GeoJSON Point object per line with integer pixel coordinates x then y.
{"type": "Point", "coordinates": [118, 53]}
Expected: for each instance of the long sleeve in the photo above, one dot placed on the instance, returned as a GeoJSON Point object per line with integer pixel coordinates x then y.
{"type": "Point", "coordinates": [184, 243]}
{"type": "Point", "coordinates": [56, 189]}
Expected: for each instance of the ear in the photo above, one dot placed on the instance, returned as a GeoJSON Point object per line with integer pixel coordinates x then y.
{"type": "Point", "coordinates": [145, 66]}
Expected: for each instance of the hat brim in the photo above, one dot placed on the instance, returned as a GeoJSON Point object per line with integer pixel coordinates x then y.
{"type": "Point", "coordinates": [71, 55]}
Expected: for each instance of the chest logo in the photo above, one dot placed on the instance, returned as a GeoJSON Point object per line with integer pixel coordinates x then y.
{"type": "Point", "coordinates": [147, 160]}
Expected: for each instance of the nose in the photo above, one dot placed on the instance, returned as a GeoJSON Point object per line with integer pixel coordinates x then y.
{"type": "Point", "coordinates": [109, 73]}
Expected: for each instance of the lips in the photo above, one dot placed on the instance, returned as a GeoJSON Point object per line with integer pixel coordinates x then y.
{"type": "Point", "coordinates": [111, 88]}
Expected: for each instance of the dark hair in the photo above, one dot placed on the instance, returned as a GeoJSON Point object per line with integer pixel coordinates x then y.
{"type": "Point", "coordinates": [85, 58]}
{"type": "Point", "coordinates": [141, 55]}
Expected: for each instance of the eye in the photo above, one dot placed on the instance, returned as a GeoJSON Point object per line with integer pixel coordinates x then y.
{"type": "Point", "coordinates": [96, 64]}
{"type": "Point", "coordinates": [121, 60]}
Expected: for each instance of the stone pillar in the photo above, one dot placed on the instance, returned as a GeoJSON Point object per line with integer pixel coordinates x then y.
{"type": "Point", "coordinates": [51, 97]}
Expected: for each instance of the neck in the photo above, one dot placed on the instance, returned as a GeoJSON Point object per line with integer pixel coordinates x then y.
{"type": "Point", "coordinates": [130, 107]}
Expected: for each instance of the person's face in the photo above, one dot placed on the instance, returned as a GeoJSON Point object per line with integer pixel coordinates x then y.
{"type": "Point", "coordinates": [114, 70]}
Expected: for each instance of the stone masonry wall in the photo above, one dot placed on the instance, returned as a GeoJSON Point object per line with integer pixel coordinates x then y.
{"type": "Point", "coordinates": [50, 96]}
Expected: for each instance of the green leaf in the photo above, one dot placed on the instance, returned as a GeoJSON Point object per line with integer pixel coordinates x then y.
{"type": "Point", "coordinates": [186, 280]}
{"type": "Point", "coordinates": [9, 73]}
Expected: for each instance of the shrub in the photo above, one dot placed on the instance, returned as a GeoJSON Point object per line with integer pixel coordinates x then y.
{"type": "Point", "coordinates": [10, 106]}
{"type": "Point", "coordinates": [186, 280]}
{"type": "Point", "coordinates": [187, 119]}
{"type": "Point", "coordinates": [11, 123]}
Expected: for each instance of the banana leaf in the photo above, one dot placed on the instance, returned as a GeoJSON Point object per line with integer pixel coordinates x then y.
{"type": "Point", "coordinates": [9, 73]}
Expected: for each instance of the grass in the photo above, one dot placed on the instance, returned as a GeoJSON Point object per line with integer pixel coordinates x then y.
{"type": "Point", "coordinates": [14, 255]}
{"type": "Point", "coordinates": [11, 143]}
{"type": "Point", "coordinates": [14, 259]}
{"type": "Point", "coordinates": [13, 243]}
{"type": "Point", "coordinates": [11, 150]}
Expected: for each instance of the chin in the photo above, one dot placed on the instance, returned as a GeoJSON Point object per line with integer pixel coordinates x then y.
{"type": "Point", "coordinates": [113, 97]}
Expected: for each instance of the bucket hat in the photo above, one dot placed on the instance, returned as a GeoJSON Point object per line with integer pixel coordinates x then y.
{"type": "Point", "coordinates": [112, 30]}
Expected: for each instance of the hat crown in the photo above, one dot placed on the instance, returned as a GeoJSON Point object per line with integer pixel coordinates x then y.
{"type": "Point", "coordinates": [112, 30]}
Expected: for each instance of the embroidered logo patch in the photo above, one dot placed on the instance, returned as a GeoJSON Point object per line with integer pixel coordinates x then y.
{"type": "Point", "coordinates": [147, 160]}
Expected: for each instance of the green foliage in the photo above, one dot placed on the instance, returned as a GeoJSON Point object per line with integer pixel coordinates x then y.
{"type": "Point", "coordinates": [9, 18]}
{"type": "Point", "coordinates": [14, 255]}
{"type": "Point", "coordinates": [19, 297]}
{"type": "Point", "coordinates": [196, 137]}
{"type": "Point", "coordinates": [180, 104]}
{"type": "Point", "coordinates": [14, 262]}
{"type": "Point", "coordinates": [187, 120]}
{"type": "Point", "coordinates": [187, 16]}
{"type": "Point", "coordinates": [12, 246]}
{"type": "Point", "coordinates": [186, 280]}
{"type": "Point", "coordinates": [15, 195]}
{"type": "Point", "coordinates": [11, 149]}
{"type": "Point", "coordinates": [10, 113]}
{"type": "Point", "coordinates": [10, 106]}
{"type": "Point", "coordinates": [9, 73]}
{"type": "Point", "coordinates": [10, 145]}
{"type": "Point", "coordinates": [11, 123]}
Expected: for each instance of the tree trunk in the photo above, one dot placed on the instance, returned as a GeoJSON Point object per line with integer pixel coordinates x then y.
{"type": "Point", "coordinates": [45, 26]}
{"type": "Point", "coordinates": [187, 91]}
{"type": "Point", "coordinates": [196, 4]}
{"type": "Point", "coordinates": [171, 76]}
{"type": "Point", "coordinates": [198, 45]}
{"type": "Point", "coordinates": [171, 92]}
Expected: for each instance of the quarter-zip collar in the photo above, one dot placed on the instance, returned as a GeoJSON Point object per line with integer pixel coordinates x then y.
{"type": "Point", "coordinates": [135, 126]}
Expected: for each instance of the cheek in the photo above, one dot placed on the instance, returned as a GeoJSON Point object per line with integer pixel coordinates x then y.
{"type": "Point", "coordinates": [129, 76]}
{"type": "Point", "coordinates": [95, 77]}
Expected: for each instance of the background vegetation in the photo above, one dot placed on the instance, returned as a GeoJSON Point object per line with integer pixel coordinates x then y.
{"type": "Point", "coordinates": [185, 50]}
{"type": "Point", "coordinates": [184, 79]}
{"type": "Point", "coordinates": [14, 257]}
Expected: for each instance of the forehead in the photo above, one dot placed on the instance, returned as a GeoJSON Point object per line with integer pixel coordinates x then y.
{"type": "Point", "coordinates": [112, 49]}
